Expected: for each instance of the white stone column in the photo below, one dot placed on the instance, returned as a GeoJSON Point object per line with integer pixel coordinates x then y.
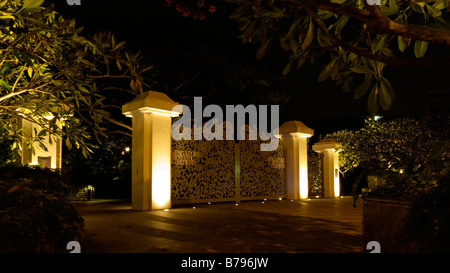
{"type": "Point", "coordinates": [328, 148]}
{"type": "Point", "coordinates": [151, 150]}
{"type": "Point", "coordinates": [294, 135]}
{"type": "Point", "coordinates": [51, 157]}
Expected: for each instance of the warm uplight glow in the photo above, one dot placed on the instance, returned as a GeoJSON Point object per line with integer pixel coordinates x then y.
{"type": "Point", "coordinates": [161, 185]}
{"type": "Point", "coordinates": [303, 182]}
{"type": "Point", "coordinates": [127, 149]}
{"type": "Point", "coordinates": [336, 187]}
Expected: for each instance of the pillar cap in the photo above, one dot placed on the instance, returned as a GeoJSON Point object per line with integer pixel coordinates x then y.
{"type": "Point", "coordinates": [151, 101]}
{"type": "Point", "coordinates": [295, 128]}
{"type": "Point", "coordinates": [325, 144]}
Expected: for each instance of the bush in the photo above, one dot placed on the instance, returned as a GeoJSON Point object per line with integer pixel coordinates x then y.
{"type": "Point", "coordinates": [427, 227]}
{"type": "Point", "coordinates": [412, 161]}
{"type": "Point", "coordinates": [35, 215]}
{"type": "Point", "coordinates": [399, 152]}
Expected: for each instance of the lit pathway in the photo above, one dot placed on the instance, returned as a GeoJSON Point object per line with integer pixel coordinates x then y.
{"type": "Point", "coordinates": [318, 225]}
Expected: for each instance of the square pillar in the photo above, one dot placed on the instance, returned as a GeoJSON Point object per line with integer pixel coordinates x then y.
{"type": "Point", "coordinates": [51, 157]}
{"type": "Point", "coordinates": [294, 135]}
{"type": "Point", "coordinates": [152, 114]}
{"type": "Point", "coordinates": [328, 148]}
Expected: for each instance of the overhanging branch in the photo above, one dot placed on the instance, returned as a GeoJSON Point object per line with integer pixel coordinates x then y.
{"type": "Point", "coordinates": [378, 22]}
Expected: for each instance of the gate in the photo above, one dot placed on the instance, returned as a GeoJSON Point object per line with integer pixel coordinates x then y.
{"type": "Point", "coordinates": [225, 170]}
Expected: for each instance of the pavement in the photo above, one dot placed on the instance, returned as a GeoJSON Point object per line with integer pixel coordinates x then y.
{"type": "Point", "coordinates": [324, 225]}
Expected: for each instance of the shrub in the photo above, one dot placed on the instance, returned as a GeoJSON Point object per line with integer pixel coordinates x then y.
{"type": "Point", "coordinates": [35, 215]}
{"type": "Point", "coordinates": [399, 152]}
{"type": "Point", "coordinates": [412, 159]}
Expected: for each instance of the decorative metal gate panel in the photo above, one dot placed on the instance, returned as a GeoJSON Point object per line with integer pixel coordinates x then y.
{"type": "Point", "coordinates": [203, 170]}
{"type": "Point", "coordinates": [225, 170]}
{"type": "Point", "coordinates": [262, 173]}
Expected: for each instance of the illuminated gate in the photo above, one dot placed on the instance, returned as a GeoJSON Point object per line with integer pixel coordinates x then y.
{"type": "Point", "coordinates": [225, 170]}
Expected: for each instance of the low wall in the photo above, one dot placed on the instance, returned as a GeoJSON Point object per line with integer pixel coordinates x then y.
{"type": "Point", "coordinates": [382, 222]}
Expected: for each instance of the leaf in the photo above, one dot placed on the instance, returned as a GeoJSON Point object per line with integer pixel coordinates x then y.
{"type": "Point", "coordinates": [440, 4]}
{"type": "Point", "coordinates": [328, 69]}
{"type": "Point", "coordinates": [362, 89]}
{"type": "Point", "coordinates": [118, 64]}
{"type": "Point", "coordinates": [372, 102]}
{"type": "Point", "coordinates": [361, 69]}
{"type": "Point", "coordinates": [118, 46]}
{"type": "Point", "coordinates": [287, 69]}
{"type": "Point", "coordinates": [393, 6]}
{"type": "Point", "coordinates": [300, 63]}
{"type": "Point", "coordinates": [247, 36]}
{"type": "Point", "coordinates": [401, 43]}
{"type": "Point", "coordinates": [68, 144]}
{"type": "Point", "coordinates": [324, 74]}
{"type": "Point", "coordinates": [276, 14]}
{"type": "Point", "coordinates": [378, 44]}
{"type": "Point", "coordinates": [263, 49]}
{"type": "Point", "coordinates": [30, 71]}
{"type": "Point", "coordinates": [386, 94]}
{"type": "Point", "coordinates": [285, 44]}
{"type": "Point", "coordinates": [5, 85]}
{"type": "Point", "coordinates": [323, 39]}
{"type": "Point", "coordinates": [293, 45]}
{"type": "Point", "coordinates": [434, 11]}
{"type": "Point", "coordinates": [292, 28]}
{"type": "Point", "coordinates": [309, 36]}
{"type": "Point", "coordinates": [31, 4]}
{"type": "Point", "coordinates": [341, 22]}
{"type": "Point", "coordinates": [420, 47]}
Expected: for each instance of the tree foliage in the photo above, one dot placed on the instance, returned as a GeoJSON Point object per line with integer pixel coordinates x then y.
{"type": "Point", "coordinates": [411, 156]}
{"type": "Point", "coordinates": [361, 39]}
{"type": "Point", "coordinates": [52, 75]}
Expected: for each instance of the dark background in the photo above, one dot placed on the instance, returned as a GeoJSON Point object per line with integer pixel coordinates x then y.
{"type": "Point", "coordinates": [207, 59]}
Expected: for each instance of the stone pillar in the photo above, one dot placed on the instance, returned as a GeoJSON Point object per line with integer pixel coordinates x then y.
{"type": "Point", "coordinates": [49, 158]}
{"type": "Point", "coordinates": [328, 148]}
{"type": "Point", "coordinates": [294, 135]}
{"type": "Point", "coordinates": [151, 150]}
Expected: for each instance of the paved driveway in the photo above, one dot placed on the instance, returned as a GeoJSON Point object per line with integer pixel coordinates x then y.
{"type": "Point", "coordinates": [317, 225]}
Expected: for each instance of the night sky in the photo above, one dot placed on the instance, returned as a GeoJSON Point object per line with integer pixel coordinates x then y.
{"type": "Point", "coordinates": [182, 46]}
